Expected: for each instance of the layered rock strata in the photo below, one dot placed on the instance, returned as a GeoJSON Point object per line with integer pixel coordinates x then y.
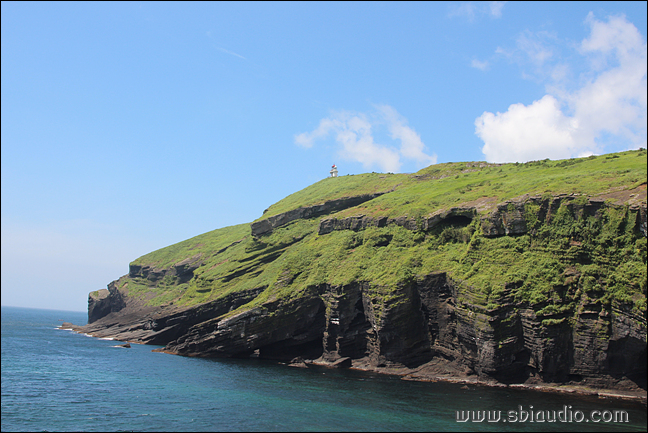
{"type": "Point", "coordinates": [266, 225]}
{"type": "Point", "coordinates": [424, 323]}
{"type": "Point", "coordinates": [508, 218]}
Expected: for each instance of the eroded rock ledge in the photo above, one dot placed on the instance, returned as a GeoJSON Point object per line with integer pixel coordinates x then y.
{"type": "Point", "coordinates": [139, 323]}
{"type": "Point", "coordinates": [105, 301]}
{"type": "Point", "coordinates": [181, 271]}
{"type": "Point", "coordinates": [266, 226]}
{"type": "Point", "coordinates": [509, 218]}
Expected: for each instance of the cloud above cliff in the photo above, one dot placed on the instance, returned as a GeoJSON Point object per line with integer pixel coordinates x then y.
{"type": "Point", "coordinates": [605, 105]}
{"type": "Point", "coordinates": [354, 136]}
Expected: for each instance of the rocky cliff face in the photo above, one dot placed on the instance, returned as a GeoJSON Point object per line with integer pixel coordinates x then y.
{"type": "Point", "coordinates": [510, 344]}
{"type": "Point", "coordinates": [509, 218]}
{"type": "Point", "coordinates": [452, 272]}
{"type": "Point", "coordinates": [103, 302]}
{"type": "Point", "coordinates": [425, 321]}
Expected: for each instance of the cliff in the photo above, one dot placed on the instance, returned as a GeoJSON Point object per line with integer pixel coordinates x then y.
{"type": "Point", "coordinates": [512, 273]}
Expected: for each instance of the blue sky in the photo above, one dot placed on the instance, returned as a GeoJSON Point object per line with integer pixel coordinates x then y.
{"type": "Point", "coordinates": [127, 127]}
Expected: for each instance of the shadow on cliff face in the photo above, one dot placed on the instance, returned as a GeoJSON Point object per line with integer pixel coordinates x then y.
{"type": "Point", "coordinates": [628, 359]}
{"type": "Point", "coordinates": [305, 344]}
{"type": "Point", "coordinates": [456, 221]}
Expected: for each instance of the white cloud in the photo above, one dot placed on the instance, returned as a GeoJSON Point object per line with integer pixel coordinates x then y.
{"type": "Point", "coordinates": [615, 35]}
{"type": "Point", "coordinates": [353, 132]}
{"type": "Point", "coordinates": [470, 10]}
{"type": "Point", "coordinates": [307, 139]}
{"type": "Point", "coordinates": [534, 47]}
{"type": "Point", "coordinates": [609, 106]}
{"type": "Point", "coordinates": [479, 64]}
{"type": "Point", "coordinates": [496, 8]}
{"type": "Point", "coordinates": [539, 55]}
{"type": "Point", "coordinates": [464, 9]}
{"type": "Point", "coordinates": [411, 145]}
{"type": "Point", "coordinates": [525, 133]}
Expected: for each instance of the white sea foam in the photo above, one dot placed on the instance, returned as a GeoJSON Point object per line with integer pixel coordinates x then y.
{"type": "Point", "coordinates": [106, 338]}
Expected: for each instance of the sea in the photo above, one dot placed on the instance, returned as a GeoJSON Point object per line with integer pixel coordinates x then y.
{"type": "Point", "coordinates": [58, 380]}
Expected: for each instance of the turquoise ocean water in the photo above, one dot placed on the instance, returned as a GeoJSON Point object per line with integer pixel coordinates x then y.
{"type": "Point", "coordinates": [57, 380]}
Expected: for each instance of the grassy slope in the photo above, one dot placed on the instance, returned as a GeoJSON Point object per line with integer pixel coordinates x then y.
{"type": "Point", "coordinates": [334, 188]}
{"type": "Point", "coordinates": [541, 268]}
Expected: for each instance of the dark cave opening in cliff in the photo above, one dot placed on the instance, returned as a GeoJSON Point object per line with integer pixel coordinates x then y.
{"type": "Point", "coordinates": [456, 221]}
{"type": "Point", "coordinates": [627, 357]}
{"type": "Point", "coordinates": [452, 222]}
{"type": "Point", "coordinates": [455, 228]}
{"type": "Point", "coordinates": [518, 370]}
{"type": "Point", "coordinates": [353, 342]}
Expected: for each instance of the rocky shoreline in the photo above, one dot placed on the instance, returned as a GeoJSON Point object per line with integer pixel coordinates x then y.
{"type": "Point", "coordinates": [434, 372]}
{"type": "Point", "coordinates": [425, 374]}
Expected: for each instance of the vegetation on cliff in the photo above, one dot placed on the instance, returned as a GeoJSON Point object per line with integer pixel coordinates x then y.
{"type": "Point", "coordinates": [510, 272]}
{"type": "Point", "coordinates": [563, 256]}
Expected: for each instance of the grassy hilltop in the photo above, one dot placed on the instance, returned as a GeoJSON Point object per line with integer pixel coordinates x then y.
{"type": "Point", "coordinates": [561, 260]}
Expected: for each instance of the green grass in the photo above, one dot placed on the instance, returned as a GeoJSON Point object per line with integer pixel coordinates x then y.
{"type": "Point", "coordinates": [207, 243]}
{"type": "Point", "coordinates": [335, 188]}
{"type": "Point", "coordinates": [423, 192]}
{"type": "Point", "coordinates": [444, 185]}
{"type": "Point", "coordinates": [544, 269]}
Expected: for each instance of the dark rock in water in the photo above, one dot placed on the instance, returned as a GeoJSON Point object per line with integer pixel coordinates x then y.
{"type": "Point", "coordinates": [126, 345]}
{"type": "Point", "coordinates": [342, 363]}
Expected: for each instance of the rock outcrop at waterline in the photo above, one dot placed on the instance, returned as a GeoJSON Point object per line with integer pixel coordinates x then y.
{"type": "Point", "coordinates": [577, 325]}
{"type": "Point", "coordinates": [103, 302]}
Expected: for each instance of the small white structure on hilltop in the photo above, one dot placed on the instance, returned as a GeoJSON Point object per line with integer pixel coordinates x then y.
{"type": "Point", "coordinates": [333, 171]}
